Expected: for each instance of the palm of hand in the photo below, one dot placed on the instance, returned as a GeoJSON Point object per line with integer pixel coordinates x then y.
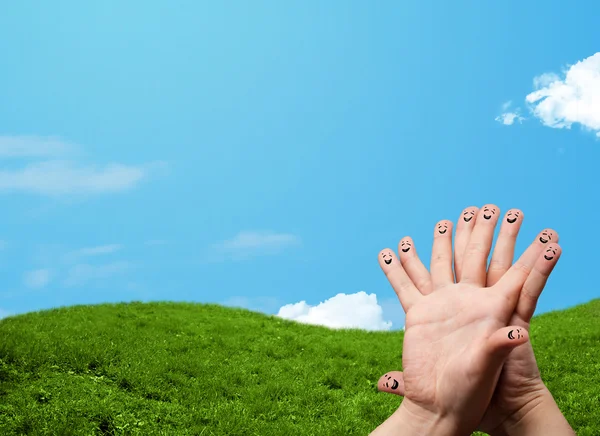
{"type": "Point", "coordinates": [446, 327]}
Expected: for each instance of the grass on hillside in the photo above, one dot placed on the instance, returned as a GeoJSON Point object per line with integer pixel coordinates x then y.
{"type": "Point", "coordinates": [194, 369]}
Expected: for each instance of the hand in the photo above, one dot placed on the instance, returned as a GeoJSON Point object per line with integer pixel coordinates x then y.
{"type": "Point", "coordinates": [456, 339]}
{"type": "Point", "coordinates": [520, 384]}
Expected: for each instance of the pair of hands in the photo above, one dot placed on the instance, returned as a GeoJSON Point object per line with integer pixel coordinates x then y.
{"type": "Point", "coordinates": [468, 363]}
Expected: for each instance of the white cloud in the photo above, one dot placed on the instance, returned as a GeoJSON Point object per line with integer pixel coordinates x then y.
{"type": "Point", "coordinates": [34, 146]}
{"type": "Point", "coordinates": [55, 175]}
{"type": "Point", "coordinates": [64, 177]}
{"type": "Point", "coordinates": [247, 244]}
{"type": "Point", "coordinates": [38, 278]}
{"type": "Point", "coordinates": [508, 117]}
{"type": "Point", "coordinates": [357, 310]}
{"type": "Point", "coordinates": [559, 103]}
{"type": "Point", "coordinates": [101, 249]}
{"type": "Point", "coordinates": [82, 273]}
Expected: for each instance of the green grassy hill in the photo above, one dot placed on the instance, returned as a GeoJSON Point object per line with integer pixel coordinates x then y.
{"type": "Point", "coordinates": [193, 369]}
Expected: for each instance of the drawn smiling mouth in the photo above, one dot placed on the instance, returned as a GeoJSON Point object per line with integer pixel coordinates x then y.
{"type": "Point", "coordinates": [487, 217]}
{"type": "Point", "coordinates": [395, 384]}
{"type": "Point", "coordinates": [404, 250]}
{"type": "Point", "coordinates": [511, 220]}
{"type": "Point", "coordinates": [442, 231]}
{"type": "Point", "coordinates": [548, 258]}
{"type": "Point", "coordinates": [467, 219]}
{"type": "Point", "coordinates": [388, 261]}
{"type": "Point", "coordinates": [542, 240]}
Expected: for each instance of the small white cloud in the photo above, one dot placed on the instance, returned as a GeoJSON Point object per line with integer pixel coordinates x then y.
{"type": "Point", "coordinates": [63, 177]}
{"type": "Point", "coordinates": [506, 105]}
{"type": "Point", "coordinates": [38, 278]}
{"type": "Point", "coordinates": [101, 249]}
{"type": "Point", "coordinates": [82, 273]}
{"type": "Point", "coordinates": [34, 146]}
{"type": "Point", "coordinates": [559, 103]}
{"type": "Point", "coordinates": [509, 118]}
{"type": "Point", "coordinates": [247, 244]}
{"type": "Point", "coordinates": [77, 255]}
{"type": "Point", "coordinates": [357, 310]}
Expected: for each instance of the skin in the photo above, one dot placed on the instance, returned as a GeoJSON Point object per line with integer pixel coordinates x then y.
{"type": "Point", "coordinates": [519, 382]}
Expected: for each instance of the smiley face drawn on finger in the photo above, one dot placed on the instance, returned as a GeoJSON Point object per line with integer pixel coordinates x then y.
{"type": "Point", "coordinates": [468, 215]}
{"type": "Point", "coordinates": [387, 257]}
{"type": "Point", "coordinates": [511, 335]}
{"type": "Point", "coordinates": [546, 236]}
{"type": "Point", "coordinates": [550, 253]}
{"type": "Point", "coordinates": [488, 212]}
{"type": "Point", "coordinates": [405, 246]}
{"type": "Point", "coordinates": [442, 227]}
{"type": "Point", "coordinates": [512, 216]}
{"type": "Point", "coordinates": [394, 383]}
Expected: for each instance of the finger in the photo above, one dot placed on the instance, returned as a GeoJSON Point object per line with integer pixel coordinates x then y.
{"type": "Point", "coordinates": [548, 235]}
{"type": "Point", "coordinates": [404, 288]}
{"type": "Point", "coordinates": [534, 285]}
{"type": "Point", "coordinates": [504, 340]}
{"type": "Point", "coordinates": [392, 382]}
{"type": "Point", "coordinates": [504, 251]}
{"type": "Point", "coordinates": [514, 279]}
{"type": "Point", "coordinates": [413, 266]}
{"type": "Point", "coordinates": [530, 255]}
{"type": "Point", "coordinates": [441, 255]}
{"type": "Point", "coordinates": [464, 228]}
{"type": "Point", "coordinates": [478, 249]}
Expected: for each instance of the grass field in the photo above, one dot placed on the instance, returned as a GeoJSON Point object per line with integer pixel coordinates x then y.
{"type": "Point", "coordinates": [193, 369]}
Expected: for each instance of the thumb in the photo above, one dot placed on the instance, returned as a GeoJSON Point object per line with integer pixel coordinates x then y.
{"type": "Point", "coordinates": [391, 382]}
{"type": "Point", "coordinates": [503, 341]}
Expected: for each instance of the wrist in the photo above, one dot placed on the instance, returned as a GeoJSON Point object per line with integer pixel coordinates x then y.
{"type": "Point", "coordinates": [410, 419]}
{"type": "Point", "coordinates": [541, 415]}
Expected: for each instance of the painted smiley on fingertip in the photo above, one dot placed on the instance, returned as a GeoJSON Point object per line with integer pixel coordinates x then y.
{"type": "Point", "coordinates": [512, 336]}
{"type": "Point", "coordinates": [550, 253]}
{"type": "Point", "coordinates": [546, 236]}
{"type": "Point", "coordinates": [387, 261]}
{"type": "Point", "coordinates": [405, 246]}
{"type": "Point", "coordinates": [442, 227]}
{"type": "Point", "coordinates": [512, 216]}
{"type": "Point", "coordinates": [488, 212]}
{"type": "Point", "coordinates": [468, 215]}
{"type": "Point", "coordinates": [394, 383]}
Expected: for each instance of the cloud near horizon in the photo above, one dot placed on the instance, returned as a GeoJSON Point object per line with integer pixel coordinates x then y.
{"type": "Point", "coordinates": [357, 310]}
{"type": "Point", "coordinates": [561, 102]}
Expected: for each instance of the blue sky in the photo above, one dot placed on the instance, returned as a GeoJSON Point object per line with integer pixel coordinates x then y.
{"type": "Point", "coordinates": [262, 155]}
